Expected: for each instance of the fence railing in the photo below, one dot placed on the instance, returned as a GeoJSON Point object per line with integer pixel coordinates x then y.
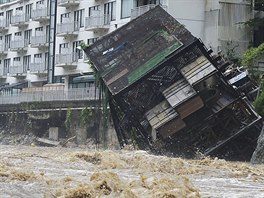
{"type": "Point", "coordinates": [3, 23]}
{"type": "Point", "coordinates": [38, 67]}
{"type": "Point", "coordinates": [97, 21]}
{"type": "Point", "coordinates": [16, 69]}
{"type": "Point", "coordinates": [74, 94]}
{"type": "Point", "coordinates": [19, 18]}
{"type": "Point", "coordinates": [18, 43]}
{"type": "Point", "coordinates": [68, 1]}
{"type": "Point", "coordinates": [2, 47]}
{"type": "Point", "coordinates": [66, 59]}
{"type": "Point", "coordinates": [6, 1]}
{"type": "Point", "coordinates": [39, 40]}
{"type": "Point", "coordinates": [69, 27]}
{"type": "Point", "coordinates": [40, 13]}
{"type": "Point", "coordinates": [142, 9]}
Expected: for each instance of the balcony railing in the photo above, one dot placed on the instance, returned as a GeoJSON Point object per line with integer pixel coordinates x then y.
{"type": "Point", "coordinates": [18, 44]}
{"type": "Point", "coordinates": [70, 28]}
{"type": "Point", "coordinates": [67, 59]}
{"type": "Point", "coordinates": [142, 9]}
{"type": "Point", "coordinates": [74, 94]}
{"type": "Point", "coordinates": [3, 25]}
{"type": "Point", "coordinates": [3, 49]}
{"type": "Point", "coordinates": [6, 1]}
{"type": "Point", "coordinates": [68, 3]}
{"type": "Point", "coordinates": [40, 14]}
{"type": "Point", "coordinates": [14, 70]}
{"type": "Point", "coordinates": [97, 22]}
{"type": "Point", "coordinates": [40, 40]}
{"type": "Point", "coordinates": [18, 20]}
{"type": "Point", "coordinates": [38, 67]}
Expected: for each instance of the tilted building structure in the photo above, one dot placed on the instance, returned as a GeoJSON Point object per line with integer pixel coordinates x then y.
{"type": "Point", "coordinates": [169, 93]}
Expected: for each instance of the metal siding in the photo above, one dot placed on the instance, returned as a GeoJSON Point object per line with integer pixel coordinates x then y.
{"type": "Point", "coordinates": [178, 92]}
{"type": "Point", "coordinates": [197, 70]}
{"type": "Point", "coordinates": [160, 114]}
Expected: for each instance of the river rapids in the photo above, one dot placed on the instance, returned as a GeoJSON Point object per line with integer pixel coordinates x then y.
{"type": "Point", "coordinates": [43, 172]}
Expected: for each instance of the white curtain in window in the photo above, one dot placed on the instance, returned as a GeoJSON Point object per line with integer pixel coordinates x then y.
{"type": "Point", "coordinates": [127, 5]}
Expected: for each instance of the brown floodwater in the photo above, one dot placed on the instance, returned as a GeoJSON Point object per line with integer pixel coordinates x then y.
{"type": "Point", "coordinates": [42, 172]}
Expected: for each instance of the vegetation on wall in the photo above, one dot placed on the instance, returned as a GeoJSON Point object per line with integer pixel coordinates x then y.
{"type": "Point", "coordinates": [68, 119]}
{"type": "Point", "coordinates": [251, 54]}
{"type": "Point", "coordinates": [259, 104]}
{"type": "Point", "coordinates": [101, 110]}
{"type": "Point", "coordinates": [86, 116]}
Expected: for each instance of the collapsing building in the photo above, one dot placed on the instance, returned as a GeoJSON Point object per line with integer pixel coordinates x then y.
{"type": "Point", "coordinates": [167, 92]}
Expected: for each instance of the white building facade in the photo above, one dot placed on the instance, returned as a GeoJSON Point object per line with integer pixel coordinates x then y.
{"type": "Point", "coordinates": [25, 25]}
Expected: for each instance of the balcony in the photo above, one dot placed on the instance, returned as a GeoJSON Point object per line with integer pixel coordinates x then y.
{"type": "Point", "coordinates": [3, 72]}
{"type": "Point", "coordinates": [3, 49]}
{"type": "Point", "coordinates": [40, 14]}
{"type": "Point", "coordinates": [3, 26]}
{"type": "Point", "coordinates": [74, 94]}
{"type": "Point", "coordinates": [142, 9]}
{"type": "Point", "coordinates": [100, 22]}
{"type": "Point", "coordinates": [38, 68]}
{"type": "Point", "coordinates": [17, 71]}
{"type": "Point", "coordinates": [68, 3]}
{"type": "Point", "coordinates": [18, 45]}
{"type": "Point", "coordinates": [39, 41]}
{"type": "Point", "coordinates": [19, 20]}
{"type": "Point", "coordinates": [67, 60]}
{"type": "Point", "coordinates": [68, 29]}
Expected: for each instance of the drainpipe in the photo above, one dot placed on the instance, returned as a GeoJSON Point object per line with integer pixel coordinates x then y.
{"type": "Point", "coordinates": [52, 41]}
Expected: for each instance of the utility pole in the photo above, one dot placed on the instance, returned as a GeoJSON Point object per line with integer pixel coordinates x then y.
{"type": "Point", "coordinates": [52, 41]}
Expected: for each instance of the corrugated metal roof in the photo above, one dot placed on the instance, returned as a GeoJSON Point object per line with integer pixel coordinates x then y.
{"type": "Point", "coordinates": [122, 57]}
{"type": "Point", "coordinates": [160, 114]}
{"type": "Point", "coordinates": [197, 70]}
{"type": "Point", "coordinates": [179, 92]}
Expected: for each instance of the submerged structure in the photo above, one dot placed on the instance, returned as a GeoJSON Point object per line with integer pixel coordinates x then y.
{"type": "Point", "coordinates": [167, 92]}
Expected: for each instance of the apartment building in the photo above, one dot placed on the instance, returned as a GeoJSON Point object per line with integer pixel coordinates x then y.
{"type": "Point", "coordinates": [25, 34]}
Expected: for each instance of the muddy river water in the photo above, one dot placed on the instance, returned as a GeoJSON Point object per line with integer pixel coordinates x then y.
{"type": "Point", "coordinates": [42, 172]}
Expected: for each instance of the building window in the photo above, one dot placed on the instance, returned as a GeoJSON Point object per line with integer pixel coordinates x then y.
{"type": "Point", "coordinates": [27, 36]}
{"type": "Point", "coordinates": [65, 18]}
{"type": "Point", "coordinates": [19, 10]}
{"type": "Point", "coordinates": [16, 62]}
{"type": "Point", "coordinates": [39, 31]}
{"type": "Point", "coordinates": [28, 11]}
{"type": "Point", "coordinates": [46, 60]}
{"type": "Point", "coordinates": [7, 41]}
{"type": "Point", "coordinates": [126, 6]}
{"type": "Point", "coordinates": [77, 50]}
{"type": "Point", "coordinates": [110, 9]}
{"type": "Point", "coordinates": [6, 66]}
{"type": "Point", "coordinates": [78, 19]}
{"type": "Point", "coordinates": [40, 4]}
{"type": "Point", "coordinates": [1, 14]}
{"type": "Point", "coordinates": [90, 41]}
{"type": "Point", "coordinates": [95, 10]}
{"type": "Point", "coordinates": [18, 36]}
{"type": "Point", "coordinates": [64, 48]}
{"type": "Point", "coordinates": [26, 63]}
{"type": "Point", "coordinates": [38, 58]}
{"type": "Point", "coordinates": [9, 14]}
{"type": "Point", "coordinates": [47, 33]}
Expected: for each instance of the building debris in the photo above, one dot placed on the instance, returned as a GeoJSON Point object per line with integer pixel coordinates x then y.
{"type": "Point", "coordinates": [169, 93]}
